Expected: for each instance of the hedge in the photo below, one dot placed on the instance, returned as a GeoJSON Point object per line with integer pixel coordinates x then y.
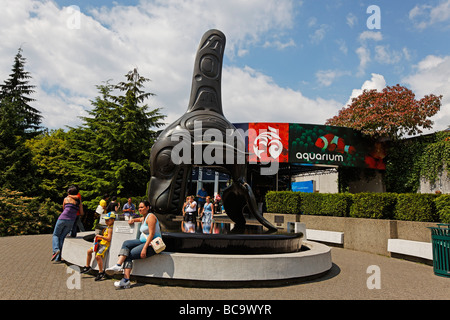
{"type": "Point", "coordinates": [443, 207]}
{"type": "Point", "coordinates": [416, 207]}
{"type": "Point", "coordinates": [399, 206]}
{"type": "Point", "coordinates": [283, 202]}
{"type": "Point", "coordinates": [373, 205]}
{"type": "Point", "coordinates": [337, 204]}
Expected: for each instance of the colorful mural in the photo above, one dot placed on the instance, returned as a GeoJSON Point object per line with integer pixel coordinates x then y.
{"type": "Point", "coordinates": [311, 144]}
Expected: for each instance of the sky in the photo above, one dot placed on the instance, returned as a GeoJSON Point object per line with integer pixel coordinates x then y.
{"type": "Point", "coordinates": [285, 61]}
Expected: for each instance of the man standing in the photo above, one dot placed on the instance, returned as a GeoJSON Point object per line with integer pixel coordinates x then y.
{"type": "Point", "coordinates": [129, 209]}
{"type": "Point", "coordinates": [201, 195]}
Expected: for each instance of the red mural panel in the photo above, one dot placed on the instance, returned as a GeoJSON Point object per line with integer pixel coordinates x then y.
{"type": "Point", "coordinates": [268, 142]}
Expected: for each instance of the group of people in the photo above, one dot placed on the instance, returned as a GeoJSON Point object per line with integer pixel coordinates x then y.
{"type": "Point", "coordinates": [131, 249]}
{"type": "Point", "coordinates": [129, 209]}
{"type": "Point", "coordinates": [204, 208]}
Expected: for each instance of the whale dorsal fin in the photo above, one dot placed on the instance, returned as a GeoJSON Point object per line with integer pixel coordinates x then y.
{"type": "Point", "coordinates": [206, 79]}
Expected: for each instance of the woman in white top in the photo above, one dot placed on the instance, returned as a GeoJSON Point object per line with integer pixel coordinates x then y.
{"type": "Point", "coordinates": [189, 209]}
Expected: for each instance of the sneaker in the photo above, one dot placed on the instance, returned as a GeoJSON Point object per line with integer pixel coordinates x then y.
{"type": "Point", "coordinates": [114, 270]}
{"type": "Point", "coordinates": [100, 276]}
{"type": "Point", "coordinates": [122, 284]}
{"type": "Point", "coordinates": [85, 269]}
{"type": "Point", "coordinates": [55, 255]}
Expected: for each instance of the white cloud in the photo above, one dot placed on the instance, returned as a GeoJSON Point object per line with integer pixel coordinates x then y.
{"type": "Point", "coordinates": [406, 53]}
{"type": "Point", "coordinates": [327, 77]}
{"type": "Point", "coordinates": [384, 55]}
{"type": "Point", "coordinates": [376, 82]}
{"type": "Point", "coordinates": [65, 63]}
{"type": "Point", "coordinates": [364, 58]}
{"type": "Point", "coordinates": [249, 96]}
{"type": "Point", "coordinates": [429, 63]}
{"type": "Point", "coordinates": [370, 35]}
{"type": "Point", "coordinates": [424, 16]}
{"type": "Point", "coordinates": [342, 46]}
{"type": "Point", "coordinates": [312, 22]}
{"type": "Point", "coordinates": [432, 76]}
{"type": "Point", "coordinates": [363, 51]}
{"type": "Point", "coordinates": [279, 44]}
{"type": "Point", "coordinates": [159, 37]}
{"type": "Point", "coordinates": [319, 34]}
{"type": "Point", "coordinates": [351, 20]}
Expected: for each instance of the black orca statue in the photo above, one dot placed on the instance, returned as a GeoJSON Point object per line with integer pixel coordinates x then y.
{"type": "Point", "coordinates": [201, 130]}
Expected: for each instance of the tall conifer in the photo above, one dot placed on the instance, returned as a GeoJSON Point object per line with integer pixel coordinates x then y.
{"type": "Point", "coordinates": [16, 91]}
{"type": "Point", "coordinates": [114, 141]}
{"type": "Point", "coordinates": [18, 122]}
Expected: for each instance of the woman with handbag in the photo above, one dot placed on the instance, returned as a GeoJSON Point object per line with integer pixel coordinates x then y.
{"type": "Point", "coordinates": [137, 248]}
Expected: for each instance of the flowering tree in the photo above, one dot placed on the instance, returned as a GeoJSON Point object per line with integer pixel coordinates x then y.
{"type": "Point", "coordinates": [391, 113]}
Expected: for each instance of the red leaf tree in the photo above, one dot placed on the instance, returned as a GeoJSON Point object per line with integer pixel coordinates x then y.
{"type": "Point", "coordinates": [392, 113]}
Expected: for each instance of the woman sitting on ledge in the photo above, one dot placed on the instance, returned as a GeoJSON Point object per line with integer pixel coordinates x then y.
{"type": "Point", "coordinates": [137, 248]}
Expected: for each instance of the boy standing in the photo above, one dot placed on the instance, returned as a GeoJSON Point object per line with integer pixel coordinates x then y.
{"type": "Point", "coordinates": [105, 241]}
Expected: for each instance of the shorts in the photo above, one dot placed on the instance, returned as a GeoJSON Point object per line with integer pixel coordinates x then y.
{"type": "Point", "coordinates": [102, 249]}
{"type": "Point", "coordinates": [189, 217]}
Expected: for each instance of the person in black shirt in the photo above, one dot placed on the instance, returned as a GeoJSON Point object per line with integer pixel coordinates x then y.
{"type": "Point", "coordinates": [113, 205]}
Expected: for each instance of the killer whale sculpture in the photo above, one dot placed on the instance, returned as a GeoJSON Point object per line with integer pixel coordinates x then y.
{"type": "Point", "coordinates": [168, 182]}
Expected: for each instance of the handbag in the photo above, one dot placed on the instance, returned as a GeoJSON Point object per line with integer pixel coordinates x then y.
{"type": "Point", "coordinates": [158, 244]}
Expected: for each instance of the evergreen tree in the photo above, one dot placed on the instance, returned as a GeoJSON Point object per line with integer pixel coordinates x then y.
{"type": "Point", "coordinates": [16, 92]}
{"type": "Point", "coordinates": [15, 158]}
{"type": "Point", "coordinates": [18, 121]}
{"type": "Point", "coordinates": [113, 143]}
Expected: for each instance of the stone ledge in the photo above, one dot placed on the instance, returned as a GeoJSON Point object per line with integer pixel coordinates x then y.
{"type": "Point", "coordinates": [418, 249]}
{"type": "Point", "coordinates": [213, 267]}
{"type": "Point", "coordinates": [325, 236]}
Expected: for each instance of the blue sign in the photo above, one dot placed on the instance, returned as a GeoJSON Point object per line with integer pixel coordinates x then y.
{"type": "Point", "coordinates": [303, 186]}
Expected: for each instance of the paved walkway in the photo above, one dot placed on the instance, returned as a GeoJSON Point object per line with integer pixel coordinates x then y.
{"type": "Point", "coordinates": [26, 272]}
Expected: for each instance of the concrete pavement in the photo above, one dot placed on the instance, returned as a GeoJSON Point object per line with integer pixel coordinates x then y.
{"type": "Point", "coordinates": [26, 273]}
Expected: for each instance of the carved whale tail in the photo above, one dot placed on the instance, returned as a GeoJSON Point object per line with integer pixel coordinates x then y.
{"type": "Point", "coordinates": [206, 80]}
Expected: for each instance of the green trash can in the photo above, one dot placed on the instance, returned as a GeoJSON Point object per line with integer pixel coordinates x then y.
{"type": "Point", "coordinates": [440, 239]}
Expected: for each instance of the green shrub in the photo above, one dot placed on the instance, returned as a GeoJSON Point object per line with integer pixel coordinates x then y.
{"type": "Point", "coordinates": [283, 202]}
{"type": "Point", "coordinates": [416, 207]}
{"type": "Point", "coordinates": [311, 203]}
{"type": "Point", "coordinates": [336, 204]}
{"type": "Point", "coordinates": [443, 207]}
{"type": "Point", "coordinates": [20, 215]}
{"type": "Point", "coordinates": [403, 206]}
{"type": "Point", "coordinates": [373, 205]}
